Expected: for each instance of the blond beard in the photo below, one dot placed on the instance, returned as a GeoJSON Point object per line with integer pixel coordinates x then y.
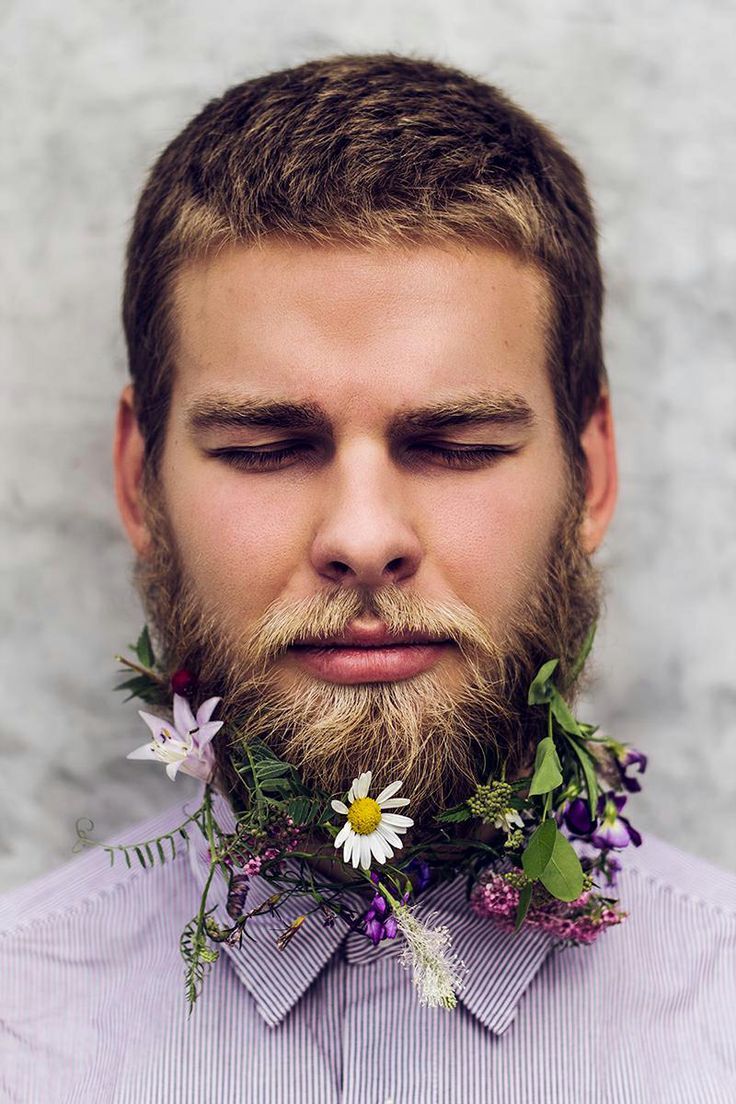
{"type": "Point", "coordinates": [439, 735]}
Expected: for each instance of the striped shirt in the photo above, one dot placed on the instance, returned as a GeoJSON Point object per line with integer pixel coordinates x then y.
{"type": "Point", "coordinates": [93, 1008]}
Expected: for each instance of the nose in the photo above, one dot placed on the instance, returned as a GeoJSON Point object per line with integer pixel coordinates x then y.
{"type": "Point", "coordinates": [364, 536]}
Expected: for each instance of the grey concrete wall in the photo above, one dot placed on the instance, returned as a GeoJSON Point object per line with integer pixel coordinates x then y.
{"type": "Point", "coordinates": [645, 97]}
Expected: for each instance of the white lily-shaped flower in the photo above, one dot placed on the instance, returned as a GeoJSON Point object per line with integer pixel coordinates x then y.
{"type": "Point", "coordinates": [185, 746]}
{"type": "Point", "coordinates": [508, 820]}
{"type": "Point", "coordinates": [369, 831]}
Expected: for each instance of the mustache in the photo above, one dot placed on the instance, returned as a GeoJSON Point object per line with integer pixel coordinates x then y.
{"type": "Point", "coordinates": [329, 613]}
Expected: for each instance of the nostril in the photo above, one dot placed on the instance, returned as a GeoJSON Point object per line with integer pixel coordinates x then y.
{"type": "Point", "coordinates": [340, 568]}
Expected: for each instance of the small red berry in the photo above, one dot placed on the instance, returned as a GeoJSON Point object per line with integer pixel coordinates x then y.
{"type": "Point", "coordinates": [182, 682]}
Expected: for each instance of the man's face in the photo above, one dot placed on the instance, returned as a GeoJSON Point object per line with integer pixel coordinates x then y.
{"type": "Point", "coordinates": [417, 453]}
{"type": "Point", "coordinates": [366, 337]}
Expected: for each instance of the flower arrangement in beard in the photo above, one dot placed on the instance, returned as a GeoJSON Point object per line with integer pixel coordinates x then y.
{"type": "Point", "coordinates": [534, 878]}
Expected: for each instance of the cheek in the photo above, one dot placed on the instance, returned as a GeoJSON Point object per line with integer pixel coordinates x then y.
{"type": "Point", "coordinates": [497, 543]}
{"type": "Point", "coordinates": [238, 548]}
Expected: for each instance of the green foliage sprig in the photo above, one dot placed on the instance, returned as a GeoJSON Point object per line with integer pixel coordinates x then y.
{"type": "Point", "coordinates": [279, 810]}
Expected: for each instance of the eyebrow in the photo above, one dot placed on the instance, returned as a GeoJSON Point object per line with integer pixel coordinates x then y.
{"type": "Point", "coordinates": [487, 408]}
{"type": "Point", "coordinates": [226, 413]}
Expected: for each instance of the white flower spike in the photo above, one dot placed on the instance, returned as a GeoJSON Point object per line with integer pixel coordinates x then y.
{"type": "Point", "coordinates": [185, 746]}
{"type": "Point", "coordinates": [438, 973]}
{"type": "Point", "coordinates": [369, 831]}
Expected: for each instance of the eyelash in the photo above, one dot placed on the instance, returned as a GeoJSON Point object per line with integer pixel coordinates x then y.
{"type": "Point", "coordinates": [252, 459]}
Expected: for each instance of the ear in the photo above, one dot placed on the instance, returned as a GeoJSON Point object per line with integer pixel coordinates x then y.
{"type": "Point", "coordinates": [128, 455]}
{"type": "Point", "coordinates": [598, 443]}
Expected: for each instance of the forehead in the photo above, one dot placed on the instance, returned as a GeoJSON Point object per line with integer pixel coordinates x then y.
{"type": "Point", "coordinates": [360, 329]}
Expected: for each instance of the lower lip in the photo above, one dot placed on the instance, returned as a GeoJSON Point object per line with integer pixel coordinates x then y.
{"type": "Point", "coordinates": [344, 664]}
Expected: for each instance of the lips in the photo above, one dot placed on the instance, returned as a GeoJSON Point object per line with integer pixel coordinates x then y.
{"type": "Point", "coordinates": [369, 653]}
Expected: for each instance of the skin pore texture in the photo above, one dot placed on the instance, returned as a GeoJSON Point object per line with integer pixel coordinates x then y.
{"type": "Point", "coordinates": [363, 367]}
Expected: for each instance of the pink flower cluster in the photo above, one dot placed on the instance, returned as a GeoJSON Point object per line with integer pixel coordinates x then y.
{"type": "Point", "coordinates": [253, 851]}
{"type": "Point", "coordinates": [281, 839]}
{"type": "Point", "coordinates": [578, 921]}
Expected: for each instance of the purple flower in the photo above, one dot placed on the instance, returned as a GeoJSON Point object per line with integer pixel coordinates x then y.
{"type": "Point", "coordinates": [613, 866]}
{"type": "Point", "coordinates": [577, 818]}
{"type": "Point", "coordinates": [630, 757]}
{"type": "Point", "coordinates": [421, 872]}
{"type": "Point", "coordinates": [615, 830]}
{"type": "Point", "coordinates": [379, 923]}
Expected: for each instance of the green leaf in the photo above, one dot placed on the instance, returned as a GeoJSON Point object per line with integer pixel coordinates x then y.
{"type": "Point", "coordinates": [589, 772]}
{"type": "Point", "coordinates": [541, 688]}
{"type": "Point", "coordinates": [563, 874]}
{"type": "Point", "coordinates": [521, 910]}
{"type": "Point", "coordinates": [547, 768]}
{"type": "Point", "coordinates": [539, 850]}
{"type": "Point", "coordinates": [135, 683]}
{"type": "Point", "coordinates": [302, 810]}
{"type": "Point", "coordinates": [141, 859]}
{"type": "Point", "coordinates": [454, 816]}
{"type": "Point", "coordinates": [584, 652]}
{"type": "Point", "coordinates": [149, 854]}
{"type": "Point", "coordinates": [562, 714]}
{"type": "Point", "coordinates": [127, 858]}
{"type": "Point", "coordinates": [144, 649]}
{"type": "Point", "coordinates": [160, 850]}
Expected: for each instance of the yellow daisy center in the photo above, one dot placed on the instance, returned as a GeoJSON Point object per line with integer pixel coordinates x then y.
{"type": "Point", "coordinates": [364, 815]}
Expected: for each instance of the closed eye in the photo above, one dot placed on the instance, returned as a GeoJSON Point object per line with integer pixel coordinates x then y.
{"type": "Point", "coordinates": [262, 459]}
{"type": "Point", "coordinates": [467, 456]}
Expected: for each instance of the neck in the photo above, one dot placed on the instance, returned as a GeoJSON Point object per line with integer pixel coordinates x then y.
{"type": "Point", "coordinates": [326, 862]}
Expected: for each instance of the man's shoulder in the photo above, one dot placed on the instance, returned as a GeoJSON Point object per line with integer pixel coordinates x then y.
{"type": "Point", "coordinates": [81, 886]}
{"type": "Point", "coordinates": [664, 870]}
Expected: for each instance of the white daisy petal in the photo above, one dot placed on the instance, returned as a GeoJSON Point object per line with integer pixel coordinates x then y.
{"type": "Point", "coordinates": [389, 834]}
{"type": "Point", "coordinates": [340, 807]}
{"type": "Point", "coordinates": [343, 834]}
{"type": "Point", "coordinates": [376, 842]}
{"type": "Point", "coordinates": [395, 803]}
{"type": "Point", "coordinates": [389, 792]}
{"type": "Point", "coordinates": [397, 821]}
{"type": "Point", "coordinates": [365, 853]}
{"type": "Point", "coordinates": [356, 851]}
{"type": "Point", "coordinates": [387, 849]}
{"type": "Point", "coordinates": [362, 785]}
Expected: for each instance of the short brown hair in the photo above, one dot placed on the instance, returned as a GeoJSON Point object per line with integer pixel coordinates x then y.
{"type": "Point", "coordinates": [368, 150]}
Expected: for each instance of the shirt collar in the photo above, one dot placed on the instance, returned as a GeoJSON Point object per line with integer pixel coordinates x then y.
{"type": "Point", "coordinates": [500, 964]}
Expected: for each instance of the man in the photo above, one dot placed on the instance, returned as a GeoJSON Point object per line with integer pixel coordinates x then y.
{"type": "Point", "coordinates": [364, 463]}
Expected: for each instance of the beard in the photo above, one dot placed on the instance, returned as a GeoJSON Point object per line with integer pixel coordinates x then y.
{"type": "Point", "coordinates": [440, 735]}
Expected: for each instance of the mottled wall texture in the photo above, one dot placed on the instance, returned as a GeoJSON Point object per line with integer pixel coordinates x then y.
{"type": "Point", "coordinates": [645, 97]}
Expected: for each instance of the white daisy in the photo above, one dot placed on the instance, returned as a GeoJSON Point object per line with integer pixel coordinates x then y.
{"type": "Point", "coordinates": [369, 832]}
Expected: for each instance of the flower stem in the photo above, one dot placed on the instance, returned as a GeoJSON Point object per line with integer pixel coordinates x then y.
{"type": "Point", "coordinates": [141, 670]}
{"type": "Point", "coordinates": [214, 859]}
